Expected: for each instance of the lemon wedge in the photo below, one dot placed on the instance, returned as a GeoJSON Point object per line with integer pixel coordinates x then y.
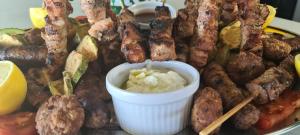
{"type": "Point", "coordinates": [231, 35]}
{"type": "Point", "coordinates": [271, 16]}
{"type": "Point", "coordinates": [13, 87]}
{"type": "Point", "coordinates": [297, 63]}
{"type": "Point", "coordinates": [37, 16]}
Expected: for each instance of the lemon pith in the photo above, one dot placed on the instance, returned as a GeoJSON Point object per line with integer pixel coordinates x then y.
{"type": "Point", "coordinates": [13, 87]}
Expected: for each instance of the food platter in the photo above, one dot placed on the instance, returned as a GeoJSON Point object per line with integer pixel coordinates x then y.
{"type": "Point", "coordinates": [148, 69]}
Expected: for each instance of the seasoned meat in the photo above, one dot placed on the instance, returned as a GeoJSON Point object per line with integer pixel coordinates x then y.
{"type": "Point", "coordinates": [275, 49]}
{"type": "Point", "coordinates": [132, 44]}
{"type": "Point", "coordinates": [91, 93]}
{"type": "Point", "coordinates": [162, 45]}
{"type": "Point", "coordinates": [206, 109]}
{"type": "Point", "coordinates": [215, 77]}
{"type": "Point", "coordinates": [268, 64]}
{"type": "Point", "coordinates": [295, 43]}
{"type": "Point", "coordinates": [58, 8]}
{"type": "Point", "coordinates": [229, 12]}
{"type": "Point", "coordinates": [185, 23]}
{"type": "Point", "coordinates": [36, 93]}
{"type": "Point", "coordinates": [33, 36]}
{"type": "Point", "coordinates": [60, 115]}
{"type": "Point", "coordinates": [182, 51]}
{"type": "Point", "coordinates": [126, 16]}
{"type": "Point", "coordinates": [251, 30]}
{"type": "Point", "coordinates": [206, 33]}
{"type": "Point", "coordinates": [268, 86]}
{"type": "Point", "coordinates": [104, 30]}
{"type": "Point", "coordinates": [244, 67]}
{"type": "Point", "coordinates": [25, 56]}
{"type": "Point", "coordinates": [289, 65]}
{"type": "Point", "coordinates": [95, 10]}
{"type": "Point", "coordinates": [111, 55]}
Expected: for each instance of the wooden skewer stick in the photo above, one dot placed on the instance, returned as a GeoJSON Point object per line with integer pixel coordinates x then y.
{"type": "Point", "coordinates": [215, 124]}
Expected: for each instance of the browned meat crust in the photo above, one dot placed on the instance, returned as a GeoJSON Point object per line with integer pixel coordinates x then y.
{"type": "Point", "coordinates": [185, 23]}
{"type": "Point", "coordinates": [91, 93]}
{"type": "Point", "coordinates": [60, 115]}
{"type": "Point", "coordinates": [207, 108]}
{"type": "Point", "coordinates": [295, 43]}
{"type": "Point", "coordinates": [250, 26]}
{"type": "Point", "coordinates": [244, 67]}
{"type": "Point", "coordinates": [95, 10]}
{"type": "Point", "coordinates": [132, 44]}
{"type": "Point", "coordinates": [270, 84]}
{"type": "Point", "coordinates": [182, 51]}
{"type": "Point", "coordinates": [229, 12]}
{"type": "Point", "coordinates": [34, 37]}
{"type": "Point", "coordinates": [215, 77]}
{"type": "Point", "coordinates": [289, 65]}
{"type": "Point", "coordinates": [162, 45]}
{"type": "Point", "coordinates": [206, 33]}
{"type": "Point", "coordinates": [275, 49]}
{"type": "Point", "coordinates": [104, 30]}
{"type": "Point", "coordinates": [25, 56]}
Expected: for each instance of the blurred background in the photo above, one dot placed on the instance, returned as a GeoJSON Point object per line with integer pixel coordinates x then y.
{"type": "Point", "coordinates": [15, 13]}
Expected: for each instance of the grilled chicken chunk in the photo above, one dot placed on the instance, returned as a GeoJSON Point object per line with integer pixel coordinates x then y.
{"type": "Point", "coordinates": [206, 34]}
{"type": "Point", "coordinates": [215, 77]}
{"type": "Point", "coordinates": [207, 108]}
{"type": "Point", "coordinates": [132, 46]}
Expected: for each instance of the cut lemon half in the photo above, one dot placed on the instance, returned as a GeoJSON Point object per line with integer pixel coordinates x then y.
{"type": "Point", "coordinates": [297, 63]}
{"type": "Point", "coordinates": [271, 16]}
{"type": "Point", "coordinates": [37, 16]}
{"type": "Point", "coordinates": [13, 87]}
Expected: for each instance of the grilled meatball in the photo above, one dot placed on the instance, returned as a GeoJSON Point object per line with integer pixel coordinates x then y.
{"type": "Point", "coordinates": [207, 108]}
{"type": "Point", "coordinates": [275, 49]}
{"type": "Point", "coordinates": [245, 67]}
{"type": "Point", "coordinates": [60, 115]}
{"type": "Point", "coordinates": [246, 117]}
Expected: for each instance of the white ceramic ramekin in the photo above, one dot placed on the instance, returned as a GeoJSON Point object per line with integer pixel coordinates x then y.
{"type": "Point", "coordinates": [152, 113]}
{"type": "Point", "coordinates": [149, 6]}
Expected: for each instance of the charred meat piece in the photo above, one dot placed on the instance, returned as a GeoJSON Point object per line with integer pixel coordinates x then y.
{"type": "Point", "coordinates": [268, 86]}
{"type": "Point", "coordinates": [95, 10]}
{"type": "Point", "coordinates": [263, 13]}
{"type": "Point", "coordinates": [268, 64]}
{"type": "Point", "coordinates": [104, 30]}
{"type": "Point", "coordinates": [207, 108]}
{"type": "Point", "coordinates": [275, 49]}
{"type": "Point", "coordinates": [36, 93]}
{"type": "Point", "coordinates": [132, 46]}
{"type": "Point", "coordinates": [182, 51]}
{"type": "Point", "coordinates": [91, 93]}
{"type": "Point", "coordinates": [245, 67]}
{"type": "Point", "coordinates": [250, 26]}
{"type": "Point", "coordinates": [126, 16]}
{"type": "Point", "coordinates": [34, 37]}
{"type": "Point", "coordinates": [185, 23]}
{"type": "Point", "coordinates": [111, 55]}
{"type": "Point", "coordinates": [295, 43]}
{"type": "Point", "coordinates": [162, 45]}
{"type": "Point", "coordinates": [229, 12]}
{"type": "Point", "coordinates": [289, 65]}
{"type": "Point", "coordinates": [206, 33]}
{"type": "Point", "coordinates": [25, 56]}
{"type": "Point", "coordinates": [60, 115]}
{"type": "Point", "coordinates": [215, 77]}
{"type": "Point", "coordinates": [58, 8]}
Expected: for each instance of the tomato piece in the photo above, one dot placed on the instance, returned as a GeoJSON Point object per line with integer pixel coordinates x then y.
{"type": "Point", "coordinates": [18, 124]}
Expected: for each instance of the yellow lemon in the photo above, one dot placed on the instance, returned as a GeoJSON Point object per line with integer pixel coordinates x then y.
{"type": "Point", "coordinates": [297, 63]}
{"type": "Point", "coordinates": [37, 16]}
{"type": "Point", "coordinates": [13, 87]}
{"type": "Point", "coordinates": [271, 16]}
{"type": "Point", "coordinates": [231, 35]}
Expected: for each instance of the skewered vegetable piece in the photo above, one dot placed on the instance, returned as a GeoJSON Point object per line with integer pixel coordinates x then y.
{"type": "Point", "coordinates": [76, 65]}
{"type": "Point", "coordinates": [56, 87]}
{"type": "Point", "coordinates": [11, 40]}
{"type": "Point", "coordinates": [68, 86]}
{"type": "Point", "coordinates": [88, 48]}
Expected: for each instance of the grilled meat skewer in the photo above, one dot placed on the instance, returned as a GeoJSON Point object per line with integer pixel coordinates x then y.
{"type": "Point", "coordinates": [162, 45]}
{"type": "Point", "coordinates": [95, 10]}
{"type": "Point", "coordinates": [206, 34]}
{"type": "Point", "coordinates": [215, 77]}
{"type": "Point", "coordinates": [229, 12]}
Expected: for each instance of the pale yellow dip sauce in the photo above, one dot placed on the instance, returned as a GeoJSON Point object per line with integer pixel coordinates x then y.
{"type": "Point", "coordinates": [154, 81]}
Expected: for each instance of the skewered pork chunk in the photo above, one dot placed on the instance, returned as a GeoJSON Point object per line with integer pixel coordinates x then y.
{"type": "Point", "coordinates": [295, 43]}
{"type": "Point", "coordinates": [289, 65]}
{"type": "Point", "coordinates": [250, 26]}
{"type": "Point", "coordinates": [36, 93]}
{"type": "Point", "coordinates": [58, 8]}
{"type": "Point", "coordinates": [162, 45]}
{"type": "Point", "coordinates": [60, 115]}
{"type": "Point", "coordinates": [126, 16]}
{"type": "Point", "coordinates": [95, 10]}
{"type": "Point", "coordinates": [184, 24]}
{"type": "Point", "coordinates": [268, 86]}
{"type": "Point", "coordinates": [215, 77]}
{"type": "Point", "coordinates": [275, 49]}
{"type": "Point", "coordinates": [207, 108]}
{"type": "Point", "coordinates": [104, 30]}
{"type": "Point", "coordinates": [132, 47]}
{"type": "Point", "coordinates": [244, 67]}
{"type": "Point", "coordinates": [229, 12]}
{"type": "Point", "coordinates": [206, 33]}
{"type": "Point", "coordinates": [34, 37]}
{"type": "Point", "coordinates": [182, 51]}
{"type": "Point", "coordinates": [25, 56]}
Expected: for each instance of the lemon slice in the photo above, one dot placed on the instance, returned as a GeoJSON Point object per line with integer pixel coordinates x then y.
{"type": "Point", "coordinates": [277, 31]}
{"type": "Point", "coordinates": [297, 63]}
{"type": "Point", "coordinates": [231, 35]}
{"type": "Point", "coordinates": [13, 87]}
{"type": "Point", "coordinates": [37, 16]}
{"type": "Point", "coordinates": [271, 16]}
